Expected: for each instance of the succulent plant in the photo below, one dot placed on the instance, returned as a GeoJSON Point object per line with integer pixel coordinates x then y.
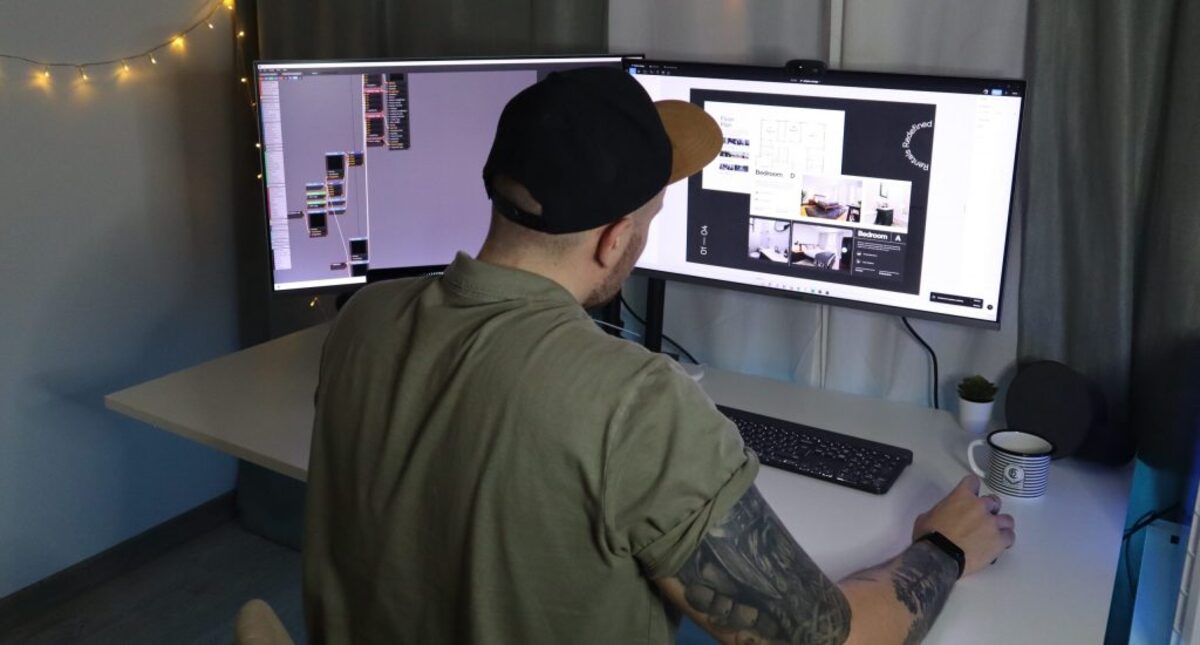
{"type": "Point", "coordinates": [977, 389]}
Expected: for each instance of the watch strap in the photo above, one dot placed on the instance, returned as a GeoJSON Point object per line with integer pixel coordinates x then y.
{"type": "Point", "coordinates": [947, 546]}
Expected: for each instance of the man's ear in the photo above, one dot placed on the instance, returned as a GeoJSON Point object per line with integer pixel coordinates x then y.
{"type": "Point", "coordinates": [613, 239]}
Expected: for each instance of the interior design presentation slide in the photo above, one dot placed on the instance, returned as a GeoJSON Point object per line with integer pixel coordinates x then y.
{"type": "Point", "coordinates": [829, 188]}
{"type": "Point", "coordinates": [871, 190]}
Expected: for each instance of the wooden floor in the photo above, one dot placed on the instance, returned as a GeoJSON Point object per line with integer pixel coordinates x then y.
{"type": "Point", "coordinates": [189, 595]}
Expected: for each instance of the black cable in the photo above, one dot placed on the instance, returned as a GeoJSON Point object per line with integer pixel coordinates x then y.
{"type": "Point", "coordinates": [681, 349]}
{"type": "Point", "coordinates": [667, 338]}
{"type": "Point", "coordinates": [625, 303]}
{"type": "Point", "coordinates": [1128, 570]}
{"type": "Point", "coordinates": [1147, 519]}
{"type": "Point", "coordinates": [932, 354]}
{"type": "Point", "coordinates": [1142, 522]}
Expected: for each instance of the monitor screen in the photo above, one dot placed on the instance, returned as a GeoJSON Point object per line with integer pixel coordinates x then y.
{"type": "Point", "coordinates": [881, 191]}
{"type": "Point", "coordinates": [378, 164]}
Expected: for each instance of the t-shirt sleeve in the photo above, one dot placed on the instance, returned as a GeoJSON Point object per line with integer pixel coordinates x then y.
{"type": "Point", "coordinates": [674, 467]}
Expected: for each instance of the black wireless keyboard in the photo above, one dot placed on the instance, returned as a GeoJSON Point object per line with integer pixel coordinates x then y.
{"type": "Point", "coordinates": [838, 458]}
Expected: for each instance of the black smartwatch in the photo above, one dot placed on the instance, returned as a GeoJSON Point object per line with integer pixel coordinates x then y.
{"type": "Point", "coordinates": [946, 546]}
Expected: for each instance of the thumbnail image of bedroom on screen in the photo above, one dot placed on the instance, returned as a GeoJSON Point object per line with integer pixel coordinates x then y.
{"type": "Point", "coordinates": [865, 201]}
{"type": "Point", "coordinates": [822, 247]}
{"type": "Point", "coordinates": [770, 240]}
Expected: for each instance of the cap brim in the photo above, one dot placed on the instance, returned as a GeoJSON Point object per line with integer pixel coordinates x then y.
{"type": "Point", "coordinates": [695, 137]}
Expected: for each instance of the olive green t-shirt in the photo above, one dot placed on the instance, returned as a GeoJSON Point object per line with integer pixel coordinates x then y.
{"type": "Point", "coordinates": [489, 467]}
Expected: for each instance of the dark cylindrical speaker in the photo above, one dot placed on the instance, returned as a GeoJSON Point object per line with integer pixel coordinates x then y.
{"type": "Point", "coordinates": [1056, 402]}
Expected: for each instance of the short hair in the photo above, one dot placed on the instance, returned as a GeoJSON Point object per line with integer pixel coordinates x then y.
{"type": "Point", "coordinates": [511, 235]}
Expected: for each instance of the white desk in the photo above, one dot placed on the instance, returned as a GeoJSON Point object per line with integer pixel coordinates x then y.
{"type": "Point", "coordinates": [256, 404]}
{"type": "Point", "coordinates": [1052, 587]}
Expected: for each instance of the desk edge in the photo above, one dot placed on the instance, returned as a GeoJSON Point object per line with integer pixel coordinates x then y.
{"type": "Point", "coordinates": [118, 406]}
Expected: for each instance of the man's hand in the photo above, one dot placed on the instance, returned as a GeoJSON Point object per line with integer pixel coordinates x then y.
{"type": "Point", "coordinates": [898, 600]}
{"type": "Point", "coordinates": [972, 522]}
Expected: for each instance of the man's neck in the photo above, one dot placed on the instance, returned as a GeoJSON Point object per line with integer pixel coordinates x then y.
{"type": "Point", "coordinates": [557, 270]}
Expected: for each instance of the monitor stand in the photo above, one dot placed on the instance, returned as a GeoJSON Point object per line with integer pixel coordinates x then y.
{"type": "Point", "coordinates": [656, 294]}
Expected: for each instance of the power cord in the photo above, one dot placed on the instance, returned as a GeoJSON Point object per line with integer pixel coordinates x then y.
{"type": "Point", "coordinates": [667, 338]}
{"type": "Point", "coordinates": [932, 355]}
{"type": "Point", "coordinates": [1142, 522]}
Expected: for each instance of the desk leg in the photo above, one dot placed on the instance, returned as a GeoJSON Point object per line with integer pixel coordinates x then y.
{"type": "Point", "coordinates": [270, 505]}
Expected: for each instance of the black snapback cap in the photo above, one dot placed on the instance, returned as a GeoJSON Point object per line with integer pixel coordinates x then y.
{"type": "Point", "coordinates": [590, 146]}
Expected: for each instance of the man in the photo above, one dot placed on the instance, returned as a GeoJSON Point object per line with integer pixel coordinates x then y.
{"type": "Point", "coordinates": [489, 467]}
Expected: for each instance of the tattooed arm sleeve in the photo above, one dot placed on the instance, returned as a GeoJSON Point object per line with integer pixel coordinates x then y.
{"type": "Point", "coordinates": [903, 596]}
{"type": "Point", "coordinates": [750, 582]}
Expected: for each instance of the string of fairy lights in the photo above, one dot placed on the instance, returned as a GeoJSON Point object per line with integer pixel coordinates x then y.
{"type": "Point", "coordinates": [152, 56]}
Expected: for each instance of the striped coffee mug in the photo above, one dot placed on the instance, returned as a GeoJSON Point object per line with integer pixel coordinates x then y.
{"type": "Point", "coordinates": [1019, 464]}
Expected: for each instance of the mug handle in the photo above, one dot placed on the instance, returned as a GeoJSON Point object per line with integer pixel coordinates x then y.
{"type": "Point", "coordinates": [971, 457]}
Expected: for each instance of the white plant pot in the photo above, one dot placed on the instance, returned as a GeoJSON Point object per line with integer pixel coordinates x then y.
{"type": "Point", "coordinates": [974, 417]}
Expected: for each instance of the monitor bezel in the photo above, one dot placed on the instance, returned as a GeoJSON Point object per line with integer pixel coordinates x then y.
{"type": "Point", "coordinates": [299, 64]}
{"type": "Point", "coordinates": [843, 78]}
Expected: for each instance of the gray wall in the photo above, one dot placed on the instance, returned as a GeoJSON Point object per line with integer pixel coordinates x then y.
{"type": "Point", "coordinates": [117, 266]}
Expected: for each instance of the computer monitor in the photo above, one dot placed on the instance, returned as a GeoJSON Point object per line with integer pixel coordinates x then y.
{"type": "Point", "coordinates": [880, 191]}
{"type": "Point", "coordinates": [378, 164]}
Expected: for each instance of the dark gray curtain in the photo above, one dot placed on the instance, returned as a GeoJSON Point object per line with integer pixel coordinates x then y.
{"type": "Point", "coordinates": [1111, 247]}
{"type": "Point", "coordinates": [1111, 269]}
{"type": "Point", "coordinates": [415, 28]}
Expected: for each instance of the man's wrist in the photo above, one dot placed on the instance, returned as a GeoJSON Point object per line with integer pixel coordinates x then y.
{"type": "Point", "coordinates": [944, 545]}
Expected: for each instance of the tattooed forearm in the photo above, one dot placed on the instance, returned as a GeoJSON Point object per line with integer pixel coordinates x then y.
{"type": "Point", "coordinates": [751, 579]}
{"type": "Point", "coordinates": [921, 579]}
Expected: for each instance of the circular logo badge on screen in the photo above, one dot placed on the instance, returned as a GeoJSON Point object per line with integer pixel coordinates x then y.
{"type": "Point", "coordinates": [1014, 474]}
{"type": "Point", "coordinates": [918, 148]}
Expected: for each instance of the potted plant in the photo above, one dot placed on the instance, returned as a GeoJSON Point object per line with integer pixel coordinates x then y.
{"type": "Point", "coordinates": [976, 395]}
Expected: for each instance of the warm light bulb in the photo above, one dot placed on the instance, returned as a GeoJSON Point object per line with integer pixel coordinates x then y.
{"type": "Point", "coordinates": [210, 25]}
{"type": "Point", "coordinates": [241, 34]}
{"type": "Point", "coordinates": [244, 79]}
{"type": "Point", "coordinates": [258, 145]}
{"type": "Point", "coordinates": [46, 73]}
{"type": "Point", "coordinates": [82, 74]}
{"type": "Point", "coordinates": [153, 60]}
{"type": "Point", "coordinates": [124, 66]}
{"type": "Point", "coordinates": [260, 175]}
{"type": "Point", "coordinates": [229, 4]}
{"type": "Point", "coordinates": [178, 41]}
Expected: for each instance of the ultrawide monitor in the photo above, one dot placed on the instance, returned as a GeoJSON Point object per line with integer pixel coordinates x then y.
{"type": "Point", "coordinates": [880, 191]}
{"type": "Point", "coordinates": [378, 164]}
